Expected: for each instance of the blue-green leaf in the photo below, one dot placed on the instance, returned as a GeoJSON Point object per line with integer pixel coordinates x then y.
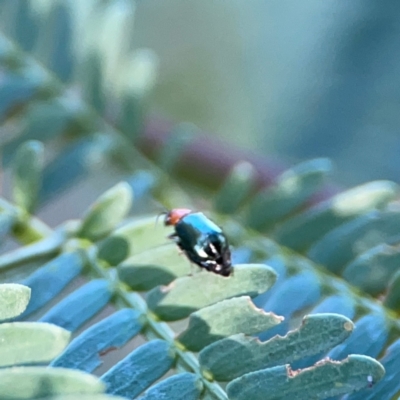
{"type": "Point", "coordinates": [42, 121]}
{"type": "Point", "coordinates": [239, 354]}
{"type": "Point", "coordinates": [30, 342]}
{"type": "Point", "coordinates": [225, 318]}
{"type": "Point", "coordinates": [7, 221]}
{"type": "Point", "coordinates": [28, 166]}
{"type": "Point", "coordinates": [114, 331]}
{"type": "Point", "coordinates": [13, 299]}
{"type": "Point", "coordinates": [60, 271]}
{"type": "Point", "coordinates": [56, 28]}
{"type": "Point", "coordinates": [326, 379]}
{"type": "Point", "coordinates": [137, 236]}
{"type": "Point", "coordinates": [14, 90]}
{"type": "Point", "coordinates": [157, 266]}
{"type": "Point", "coordinates": [292, 189]}
{"type": "Point", "coordinates": [70, 165]}
{"type": "Point", "coordinates": [369, 338]}
{"type": "Point", "coordinates": [290, 297]}
{"type": "Point", "coordinates": [188, 294]}
{"type": "Point", "coordinates": [37, 250]}
{"type": "Point", "coordinates": [341, 304]}
{"type": "Point", "coordinates": [237, 187]}
{"type": "Point", "coordinates": [107, 212]}
{"type": "Point", "coordinates": [343, 244]}
{"type": "Point", "coordinates": [32, 383]}
{"type": "Point", "coordinates": [183, 386]}
{"type": "Point", "coordinates": [140, 369]}
{"type": "Point", "coordinates": [81, 305]}
{"type": "Point", "coordinates": [372, 270]}
{"type": "Point", "coordinates": [303, 230]}
{"type": "Point", "coordinates": [392, 299]}
{"type": "Point", "coordinates": [388, 387]}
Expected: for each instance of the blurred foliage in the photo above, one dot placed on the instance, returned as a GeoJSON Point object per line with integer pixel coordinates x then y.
{"type": "Point", "coordinates": [319, 266]}
{"type": "Point", "coordinates": [309, 79]}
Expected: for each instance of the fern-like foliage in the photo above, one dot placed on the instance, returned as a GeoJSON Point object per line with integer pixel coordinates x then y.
{"type": "Point", "coordinates": [322, 265]}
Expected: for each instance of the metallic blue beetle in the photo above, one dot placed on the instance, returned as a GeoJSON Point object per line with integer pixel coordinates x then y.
{"type": "Point", "coordinates": [203, 242]}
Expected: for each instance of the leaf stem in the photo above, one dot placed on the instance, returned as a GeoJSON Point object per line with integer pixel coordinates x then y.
{"type": "Point", "coordinates": [157, 328]}
{"type": "Point", "coordinates": [27, 229]}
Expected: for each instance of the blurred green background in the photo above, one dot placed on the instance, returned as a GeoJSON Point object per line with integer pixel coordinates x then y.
{"type": "Point", "coordinates": [285, 78]}
{"type": "Point", "coordinates": [296, 79]}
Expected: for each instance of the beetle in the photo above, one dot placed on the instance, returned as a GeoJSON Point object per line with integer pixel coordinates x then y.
{"type": "Point", "coordinates": [203, 242]}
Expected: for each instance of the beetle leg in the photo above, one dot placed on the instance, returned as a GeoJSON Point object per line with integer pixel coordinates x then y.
{"type": "Point", "coordinates": [174, 237]}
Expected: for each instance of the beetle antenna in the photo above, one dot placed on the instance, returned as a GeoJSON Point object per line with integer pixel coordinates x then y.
{"type": "Point", "coordinates": [164, 212]}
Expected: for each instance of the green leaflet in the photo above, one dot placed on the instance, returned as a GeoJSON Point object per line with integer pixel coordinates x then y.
{"type": "Point", "coordinates": [303, 230]}
{"type": "Point", "coordinates": [188, 294]}
{"type": "Point", "coordinates": [107, 212]}
{"type": "Point", "coordinates": [226, 318]}
{"type": "Point", "coordinates": [137, 371]}
{"type": "Point", "coordinates": [237, 187]}
{"type": "Point", "coordinates": [28, 165]}
{"type": "Point", "coordinates": [325, 379]}
{"type": "Point", "coordinates": [341, 245]}
{"type": "Point", "coordinates": [372, 270]}
{"type": "Point", "coordinates": [133, 238]}
{"type": "Point", "coordinates": [234, 356]}
{"type": "Point", "coordinates": [43, 120]}
{"type": "Point", "coordinates": [157, 266]}
{"type": "Point", "coordinates": [80, 306]}
{"type": "Point", "coordinates": [30, 342]}
{"type": "Point", "coordinates": [292, 189]}
{"type": "Point", "coordinates": [32, 383]}
{"type": "Point", "coordinates": [13, 299]}
{"type": "Point", "coordinates": [183, 386]}
{"type": "Point", "coordinates": [31, 252]}
{"type": "Point", "coordinates": [114, 331]}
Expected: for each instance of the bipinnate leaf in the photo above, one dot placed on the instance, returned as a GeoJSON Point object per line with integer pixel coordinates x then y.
{"type": "Point", "coordinates": [341, 245]}
{"type": "Point", "coordinates": [140, 369]}
{"type": "Point", "coordinates": [13, 299]}
{"type": "Point", "coordinates": [372, 270]}
{"type": "Point", "coordinates": [183, 386]}
{"type": "Point", "coordinates": [239, 354]}
{"type": "Point", "coordinates": [28, 165]}
{"type": "Point", "coordinates": [153, 267]}
{"type": "Point", "coordinates": [325, 379]}
{"type": "Point", "coordinates": [237, 187]}
{"type": "Point", "coordinates": [33, 383]}
{"type": "Point", "coordinates": [30, 342]}
{"type": "Point", "coordinates": [112, 332]}
{"type": "Point", "coordinates": [60, 271]}
{"type": "Point", "coordinates": [81, 305]}
{"type": "Point", "coordinates": [303, 230]}
{"type": "Point", "coordinates": [135, 237]}
{"type": "Point", "coordinates": [107, 212]}
{"type": "Point", "coordinates": [225, 318]}
{"type": "Point", "coordinates": [188, 294]}
{"type": "Point", "coordinates": [292, 189]}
